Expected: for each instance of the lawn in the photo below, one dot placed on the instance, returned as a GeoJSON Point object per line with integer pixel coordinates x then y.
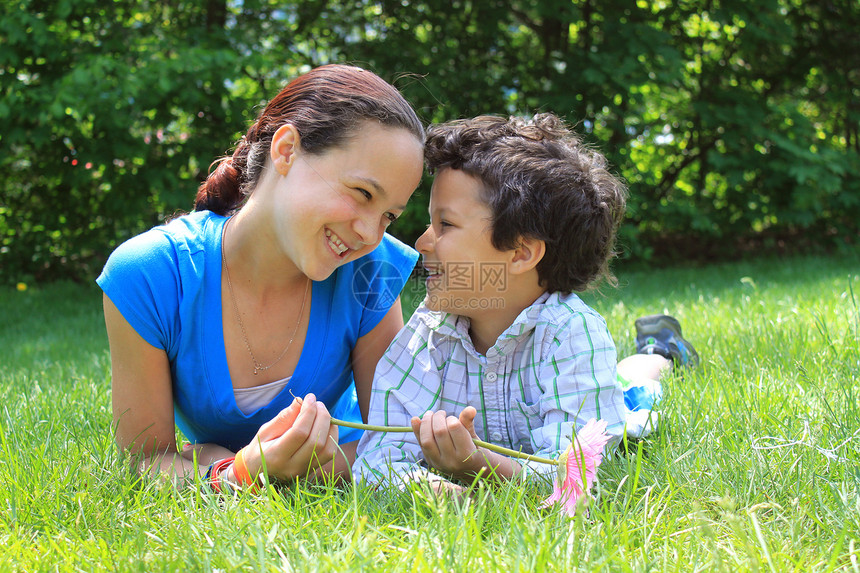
{"type": "Point", "coordinates": [756, 466]}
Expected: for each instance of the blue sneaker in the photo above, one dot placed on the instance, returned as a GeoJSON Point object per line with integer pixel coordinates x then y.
{"type": "Point", "coordinates": [661, 334]}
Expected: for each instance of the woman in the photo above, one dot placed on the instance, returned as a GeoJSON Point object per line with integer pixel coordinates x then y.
{"type": "Point", "coordinates": [249, 319]}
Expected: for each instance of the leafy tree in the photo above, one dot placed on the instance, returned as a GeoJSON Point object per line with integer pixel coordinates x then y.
{"type": "Point", "coordinates": [709, 109]}
{"type": "Point", "coordinates": [732, 121]}
{"type": "Point", "coordinates": [107, 110]}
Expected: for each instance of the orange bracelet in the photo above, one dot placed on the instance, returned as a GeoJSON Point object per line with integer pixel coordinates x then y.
{"type": "Point", "coordinates": [240, 470]}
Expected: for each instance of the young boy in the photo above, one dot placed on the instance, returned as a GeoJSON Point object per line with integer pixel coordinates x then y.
{"type": "Point", "coordinates": [522, 214]}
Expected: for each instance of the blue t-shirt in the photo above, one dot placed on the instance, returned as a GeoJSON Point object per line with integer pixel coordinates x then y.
{"type": "Point", "coordinates": [166, 283]}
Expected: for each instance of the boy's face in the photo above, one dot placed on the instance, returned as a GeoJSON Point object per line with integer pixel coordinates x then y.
{"type": "Point", "coordinates": [467, 274]}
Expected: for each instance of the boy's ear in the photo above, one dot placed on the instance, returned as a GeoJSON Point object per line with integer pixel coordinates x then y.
{"type": "Point", "coordinates": [527, 255]}
{"type": "Point", "coordinates": [285, 144]}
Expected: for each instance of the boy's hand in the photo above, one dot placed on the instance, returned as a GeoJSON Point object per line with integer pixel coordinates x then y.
{"type": "Point", "coordinates": [447, 441]}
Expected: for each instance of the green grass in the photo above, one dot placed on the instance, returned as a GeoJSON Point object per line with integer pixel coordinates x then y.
{"type": "Point", "coordinates": [757, 465]}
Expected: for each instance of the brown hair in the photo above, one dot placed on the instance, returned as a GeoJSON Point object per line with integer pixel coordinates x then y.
{"type": "Point", "coordinates": [325, 105]}
{"type": "Point", "coordinates": [540, 181]}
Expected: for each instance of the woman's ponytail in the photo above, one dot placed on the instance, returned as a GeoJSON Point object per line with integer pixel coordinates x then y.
{"type": "Point", "coordinates": [224, 188]}
{"type": "Point", "coordinates": [220, 192]}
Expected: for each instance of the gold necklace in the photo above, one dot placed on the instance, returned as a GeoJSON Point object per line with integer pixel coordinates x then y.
{"type": "Point", "coordinates": [257, 366]}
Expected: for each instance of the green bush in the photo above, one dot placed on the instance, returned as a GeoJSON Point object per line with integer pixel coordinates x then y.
{"type": "Point", "coordinates": [735, 125]}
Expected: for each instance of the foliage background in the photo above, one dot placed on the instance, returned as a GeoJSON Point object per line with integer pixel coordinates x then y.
{"type": "Point", "coordinates": [736, 123]}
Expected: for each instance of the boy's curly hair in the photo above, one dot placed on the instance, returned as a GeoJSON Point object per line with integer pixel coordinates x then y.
{"type": "Point", "coordinates": [541, 182]}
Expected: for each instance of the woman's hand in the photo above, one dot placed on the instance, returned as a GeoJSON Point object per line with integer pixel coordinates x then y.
{"type": "Point", "coordinates": [297, 441]}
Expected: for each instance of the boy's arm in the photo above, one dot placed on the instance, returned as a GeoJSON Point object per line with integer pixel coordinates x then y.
{"type": "Point", "coordinates": [578, 382]}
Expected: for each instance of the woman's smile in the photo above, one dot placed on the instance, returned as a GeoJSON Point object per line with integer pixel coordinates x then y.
{"type": "Point", "coordinates": [336, 244]}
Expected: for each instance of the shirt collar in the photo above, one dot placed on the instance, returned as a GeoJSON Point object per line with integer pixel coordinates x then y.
{"type": "Point", "coordinates": [455, 326]}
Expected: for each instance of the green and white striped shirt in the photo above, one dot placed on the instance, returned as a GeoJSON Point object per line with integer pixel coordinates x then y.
{"type": "Point", "coordinates": [551, 371]}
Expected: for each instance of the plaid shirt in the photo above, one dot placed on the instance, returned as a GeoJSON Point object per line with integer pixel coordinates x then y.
{"type": "Point", "coordinates": [551, 371]}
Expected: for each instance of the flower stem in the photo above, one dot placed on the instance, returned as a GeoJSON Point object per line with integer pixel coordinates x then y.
{"type": "Point", "coordinates": [371, 427]}
{"type": "Point", "coordinates": [479, 443]}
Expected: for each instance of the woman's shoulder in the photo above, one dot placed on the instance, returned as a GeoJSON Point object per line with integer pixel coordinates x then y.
{"type": "Point", "coordinates": [149, 275]}
{"type": "Point", "coordinates": [195, 231]}
{"type": "Point", "coordinates": [164, 252]}
{"type": "Point", "coordinates": [192, 233]}
{"type": "Point", "coordinates": [190, 228]}
{"type": "Point", "coordinates": [366, 288]}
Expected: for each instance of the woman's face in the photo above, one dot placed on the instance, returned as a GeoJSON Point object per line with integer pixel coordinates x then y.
{"type": "Point", "coordinates": [334, 207]}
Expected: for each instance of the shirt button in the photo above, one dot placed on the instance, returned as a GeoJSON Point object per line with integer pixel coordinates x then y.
{"type": "Point", "coordinates": [492, 376]}
{"type": "Point", "coordinates": [497, 437]}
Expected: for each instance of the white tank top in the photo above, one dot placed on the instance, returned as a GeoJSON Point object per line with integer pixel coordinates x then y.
{"type": "Point", "coordinates": [251, 399]}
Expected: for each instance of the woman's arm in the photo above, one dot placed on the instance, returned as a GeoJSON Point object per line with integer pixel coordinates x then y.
{"type": "Point", "coordinates": [369, 349]}
{"type": "Point", "coordinates": [295, 442]}
{"type": "Point", "coordinates": [366, 354]}
{"type": "Point", "coordinates": [142, 400]}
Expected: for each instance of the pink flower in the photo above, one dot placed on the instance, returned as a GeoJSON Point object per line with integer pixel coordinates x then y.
{"type": "Point", "coordinates": [578, 466]}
